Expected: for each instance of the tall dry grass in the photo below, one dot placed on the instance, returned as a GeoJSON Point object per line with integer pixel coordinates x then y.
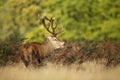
{"type": "Point", "coordinates": [85, 71]}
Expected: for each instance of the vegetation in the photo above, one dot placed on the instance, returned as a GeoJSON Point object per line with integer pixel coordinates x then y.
{"type": "Point", "coordinates": [107, 53]}
{"type": "Point", "coordinates": [87, 22]}
{"type": "Point", "coordinates": [81, 19]}
{"type": "Point", "coordinates": [86, 71]}
{"type": "Point", "coordinates": [91, 31]}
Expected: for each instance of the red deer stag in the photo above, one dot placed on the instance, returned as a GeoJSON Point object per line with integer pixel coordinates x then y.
{"type": "Point", "coordinates": [33, 52]}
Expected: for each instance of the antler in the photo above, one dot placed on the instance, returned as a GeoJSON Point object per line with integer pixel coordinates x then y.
{"type": "Point", "coordinates": [50, 24]}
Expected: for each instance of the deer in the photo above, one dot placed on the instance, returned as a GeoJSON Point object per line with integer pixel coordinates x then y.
{"type": "Point", "coordinates": [33, 52]}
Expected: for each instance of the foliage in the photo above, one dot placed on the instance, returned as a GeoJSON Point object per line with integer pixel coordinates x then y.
{"type": "Point", "coordinates": [80, 19]}
{"type": "Point", "coordinates": [105, 52]}
{"type": "Point", "coordinates": [8, 52]}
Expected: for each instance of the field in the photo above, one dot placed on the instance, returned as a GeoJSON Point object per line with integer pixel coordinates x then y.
{"type": "Point", "coordinates": [86, 71]}
{"type": "Point", "coordinates": [86, 61]}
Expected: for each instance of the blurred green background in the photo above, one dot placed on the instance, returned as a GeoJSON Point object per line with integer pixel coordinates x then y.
{"type": "Point", "coordinates": [80, 19]}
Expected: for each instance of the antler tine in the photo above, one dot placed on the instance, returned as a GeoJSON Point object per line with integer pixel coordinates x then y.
{"type": "Point", "coordinates": [54, 27]}
{"type": "Point", "coordinates": [50, 24]}
{"type": "Point", "coordinates": [61, 30]}
{"type": "Point", "coordinates": [45, 25]}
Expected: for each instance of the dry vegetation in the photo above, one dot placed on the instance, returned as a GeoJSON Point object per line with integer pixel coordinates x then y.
{"type": "Point", "coordinates": [107, 53]}
{"type": "Point", "coordinates": [86, 61]}
{"type": "Point", "coordinates": [85, 71]}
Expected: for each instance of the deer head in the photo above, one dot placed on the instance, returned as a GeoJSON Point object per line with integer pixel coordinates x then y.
{"type": "Point", "coordinates": [51, 28]}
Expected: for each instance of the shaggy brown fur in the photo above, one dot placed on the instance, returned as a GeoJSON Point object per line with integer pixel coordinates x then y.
{"type": "Point", "coordinates": [32, 53]}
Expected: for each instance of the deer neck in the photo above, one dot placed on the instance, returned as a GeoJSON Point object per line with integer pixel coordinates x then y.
{"type": "Point", "coordinates": [48, 47]}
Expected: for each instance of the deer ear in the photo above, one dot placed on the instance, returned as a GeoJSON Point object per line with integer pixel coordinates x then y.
{"type": "Point", "coordinates": [46, 36]}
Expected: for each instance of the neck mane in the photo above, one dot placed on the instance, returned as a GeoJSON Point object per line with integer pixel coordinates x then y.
{"type": "Point", "coordinates": [48, 47]}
